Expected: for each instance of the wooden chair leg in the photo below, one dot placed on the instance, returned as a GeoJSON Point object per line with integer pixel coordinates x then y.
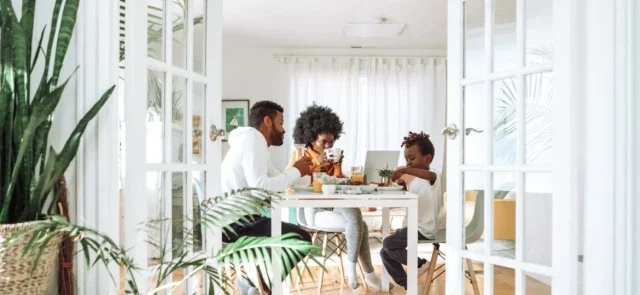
{"type": "Point", "coordinates": [324, 260]}
{"type": "Point", "coordinates": [339, 252]}
{"type": "Point", "coordinates": [432, 268]}
{"type": "Point", "coordinates": [260, 289]}
{"type": "Point", "coordinates": [306, 260]}
{"type": "Point", "coordinates": [364, 282]}
{"type": "Point", "coordinates": [472, 275]}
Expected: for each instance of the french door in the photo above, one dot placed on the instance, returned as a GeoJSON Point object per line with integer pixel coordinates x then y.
{"type": "Point", "coordinates": [172, 97]}
{"type": "Point", "coordinates": [500, 147]}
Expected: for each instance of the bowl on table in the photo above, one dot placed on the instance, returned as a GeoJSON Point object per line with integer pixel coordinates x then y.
{"type": "Point", "coordinates": [329, 188]}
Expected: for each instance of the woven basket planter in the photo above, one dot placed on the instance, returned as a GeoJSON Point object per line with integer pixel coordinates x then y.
{"type": "Point", "coordinates": [15, 276]}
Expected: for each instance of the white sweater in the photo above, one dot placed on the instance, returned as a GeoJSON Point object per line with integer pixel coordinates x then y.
{"type": "Point", "coordinates": [429, 205]}
{"type": "Point", "coordinates": [248, 164]}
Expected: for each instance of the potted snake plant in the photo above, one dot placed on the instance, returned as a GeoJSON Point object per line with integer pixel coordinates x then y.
{"type": "Point", "coordinates": [29, 167]}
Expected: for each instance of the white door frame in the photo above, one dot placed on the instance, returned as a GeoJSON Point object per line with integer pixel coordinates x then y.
{"type": "Point", "coordinates": [135, 209]}
{"type": "Point", "coordinates": [568, 163]}
{"type": "Point", "coordinates": [95, 202]}
{"type": "Point", "coordinates": [136, 65]}
{"type": "Point", "coordinates": [609, 79]}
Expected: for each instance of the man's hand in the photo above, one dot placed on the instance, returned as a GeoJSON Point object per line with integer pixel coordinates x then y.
{"type": "Point", "coordinates": [304, 166]}
{"type": "Point", "coordinates": [398, 173]}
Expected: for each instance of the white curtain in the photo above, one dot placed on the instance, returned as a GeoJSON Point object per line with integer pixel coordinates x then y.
{"type": "Point", "coordinates": [331, 82]}
{"type": "Point", "coordinates": [379, 100]}
{"type": "Point", "coordinates": [406, 94]}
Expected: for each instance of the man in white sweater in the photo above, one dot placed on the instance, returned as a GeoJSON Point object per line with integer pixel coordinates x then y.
{"type": "Point", "coordinates": [247, 164]}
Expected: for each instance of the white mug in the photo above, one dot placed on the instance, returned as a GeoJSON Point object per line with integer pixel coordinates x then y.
{"type": "Point", "coordinates": [333, 154]}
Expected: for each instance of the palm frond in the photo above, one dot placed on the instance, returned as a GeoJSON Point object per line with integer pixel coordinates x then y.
{"type": "Point", "coordinates": [98, 248]}
{"type": "Point", "coordinates": [239, 206]}
{"type": "Point", "coordinates": [256, 251]}
{"type": "Point", "coordinates": [91, 241]}
{"type": "Point", "coordinates": [538, 113]}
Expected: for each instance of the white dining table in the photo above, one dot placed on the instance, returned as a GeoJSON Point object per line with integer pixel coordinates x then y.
{"type": "Point", "coordinates": [386, 200]}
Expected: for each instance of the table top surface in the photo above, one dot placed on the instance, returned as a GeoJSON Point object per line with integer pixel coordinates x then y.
{"type": "Point", "coordinates": [386, 195]}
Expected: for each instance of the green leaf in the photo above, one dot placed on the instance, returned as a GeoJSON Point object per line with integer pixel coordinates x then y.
{"type": "Point", "coordinates": [67, 24]}
{"type": "Point", "coordinates": [70, 148]}
{"type": "Point", "coordinates": [28, 12]}
{"type": "Point", "coordinates": [52, 35]}
{"type": "Point", "coordinates": [40, 112]}
{"type": "Point", "coordinates": [38, 50]}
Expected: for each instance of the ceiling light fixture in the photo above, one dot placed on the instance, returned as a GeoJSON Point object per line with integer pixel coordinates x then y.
{"type": "Point", "coordinates": [379, 28]}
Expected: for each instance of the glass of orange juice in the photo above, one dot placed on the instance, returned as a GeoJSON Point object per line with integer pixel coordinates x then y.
{"type": "Point", "coordinates": [357, 174]}
{"type": "Point", "coordinates": [317, 185]}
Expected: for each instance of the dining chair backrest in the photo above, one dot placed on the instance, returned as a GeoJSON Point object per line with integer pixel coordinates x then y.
{"type": "Point", "coordinates": [301, 218]}
{"type": "Point", "coordinates": [475, 228]}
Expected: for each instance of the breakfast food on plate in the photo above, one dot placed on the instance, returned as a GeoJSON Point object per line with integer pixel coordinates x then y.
{"type": "Point", "coordinates": [369, 209]}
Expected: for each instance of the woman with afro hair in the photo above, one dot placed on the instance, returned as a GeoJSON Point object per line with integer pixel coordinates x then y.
{"type": "Point", "coordinates": [318, 127]}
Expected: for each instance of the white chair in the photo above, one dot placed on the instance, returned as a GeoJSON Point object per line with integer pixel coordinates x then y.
{"type": "Point", "coordinates": [340, 244]}
{"type": "Point", "coordinates": [473, 232]}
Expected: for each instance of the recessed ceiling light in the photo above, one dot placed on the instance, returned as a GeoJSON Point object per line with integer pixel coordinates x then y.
{"type": "Point", "coordinates": [380, 28]}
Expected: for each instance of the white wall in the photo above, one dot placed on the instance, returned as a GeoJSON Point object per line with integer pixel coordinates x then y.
{"type": "Point", "coordinates": [253, 73]}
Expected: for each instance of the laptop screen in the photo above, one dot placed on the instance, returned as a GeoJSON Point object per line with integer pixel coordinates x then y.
{"type": "Point", "coordinates": [377, 160]}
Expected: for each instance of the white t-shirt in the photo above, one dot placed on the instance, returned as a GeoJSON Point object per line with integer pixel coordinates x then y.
{"type": "Point", "coordinates": [248, 164]}
{"type": "Point", "coordinates": [429, 205]}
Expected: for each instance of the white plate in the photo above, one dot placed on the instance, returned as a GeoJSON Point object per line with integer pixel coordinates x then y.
{"type": "Point", "coordinates": [302, 188]}
{"type": "Point", "coordinates": [389, 188]}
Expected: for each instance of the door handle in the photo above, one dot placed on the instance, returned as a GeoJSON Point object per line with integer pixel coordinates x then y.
{"type": "Point", "coordinates": [467, 131]}
{"type": "Point", "coordinates": [450, 131]}
{"type": "Point", "coordinates": [215, 132]}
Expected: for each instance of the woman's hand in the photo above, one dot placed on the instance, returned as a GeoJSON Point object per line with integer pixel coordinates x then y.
{"type": "Point", "coordinates": [322, 158]}
{"type": "Point", "coordinates": [339, 161]}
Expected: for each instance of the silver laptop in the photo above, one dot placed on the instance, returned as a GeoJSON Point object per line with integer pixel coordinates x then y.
{"type": "Point", "coordinates": [379, 160]}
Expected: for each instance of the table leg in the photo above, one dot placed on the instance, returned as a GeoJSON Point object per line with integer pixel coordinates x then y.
{"type": "Point", "coordinates": [385, 233]}
{"type": "Point", "coordinates": [276, 230]}
{"type": "Point", "coordinates": [412, 249]}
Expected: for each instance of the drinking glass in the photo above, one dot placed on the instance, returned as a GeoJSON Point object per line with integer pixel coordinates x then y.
{"type": "Point", "coordinates": [357, 174]}
{"type": "Point", "coordinates": [317, 185]}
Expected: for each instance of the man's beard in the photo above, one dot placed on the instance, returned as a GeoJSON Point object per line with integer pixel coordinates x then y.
{"type": "Point", "coordinates": [277, 138]}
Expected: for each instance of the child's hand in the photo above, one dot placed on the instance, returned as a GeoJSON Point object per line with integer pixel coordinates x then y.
{"type": "Point", "coordinates": [401, 183]}
{"type": "Point", "coordinates": [397, 174]}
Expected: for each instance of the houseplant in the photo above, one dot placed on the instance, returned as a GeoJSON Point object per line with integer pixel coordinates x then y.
{"type": "Point", "coordinates": [538, 108]}
{"type": "Point", "coordinates": [214, 268]}
{"type": "Point", "coordinates": [28, 167]}
{"type": "Point", "coordinates": [385, 176]}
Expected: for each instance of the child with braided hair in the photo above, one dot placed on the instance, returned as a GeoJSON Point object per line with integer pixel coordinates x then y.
{"type": "Point", "coordinates": [418, 178]}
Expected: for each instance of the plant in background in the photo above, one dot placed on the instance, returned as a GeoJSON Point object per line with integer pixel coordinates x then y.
{"type": "Point", "coordinates": [254, 253]}
{"type": "Point", "coordinates": [155, 35]}
{"type": "Point", "coordinates": [538, 112]}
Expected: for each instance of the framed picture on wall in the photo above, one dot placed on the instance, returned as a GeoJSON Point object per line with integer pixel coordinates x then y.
{"type": "Point", "coordinates": [235, 113]}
